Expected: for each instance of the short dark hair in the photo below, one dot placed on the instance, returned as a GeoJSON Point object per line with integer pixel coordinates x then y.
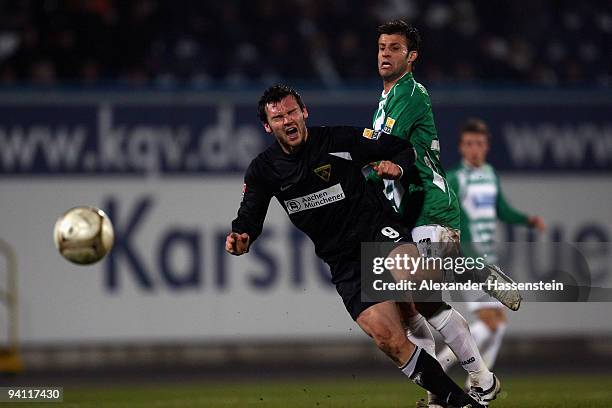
{"type": "Point", "coordinates": [275, 94]}
{"type": "Point", "coordinates": [474, 125]}
{"type": "Point", "coordinates": [413, 38]}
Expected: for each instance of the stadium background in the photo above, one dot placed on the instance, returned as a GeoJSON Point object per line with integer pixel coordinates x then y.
{"type": "Point", "coordinates": [147, 110]}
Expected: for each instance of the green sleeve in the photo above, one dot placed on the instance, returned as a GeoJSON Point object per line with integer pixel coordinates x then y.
{"type": "Point", "coordinates": [412, 110]}
{"type": "Point", "coordinates": [407, 111]}
{"type": "Point", "coordinates": [506, 212]}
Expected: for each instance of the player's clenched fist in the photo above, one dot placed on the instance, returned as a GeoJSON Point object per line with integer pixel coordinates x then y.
{"type": "Point", "coordinates": [388, 170]}
{"type": "Point", "coordinates": [237, 244]}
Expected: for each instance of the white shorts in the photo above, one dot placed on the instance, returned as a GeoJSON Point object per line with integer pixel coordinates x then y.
{"type": "Point", "coordinates": [424, 235]}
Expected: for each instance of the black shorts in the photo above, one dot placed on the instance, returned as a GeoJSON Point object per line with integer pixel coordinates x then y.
{"type": "Point", "coordinates": [346, 271]}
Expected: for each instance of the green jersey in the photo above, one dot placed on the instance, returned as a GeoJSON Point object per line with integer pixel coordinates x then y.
{"type": "Point", "coordinates": [482, 203]}
{"type": "Point", "coordinates": [423, 196]}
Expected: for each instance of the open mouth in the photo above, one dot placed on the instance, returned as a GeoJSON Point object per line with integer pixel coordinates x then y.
{"type": "Point", "coordinates": [385, 64]}
{"type": "Point", "coordinates": [292, 132]}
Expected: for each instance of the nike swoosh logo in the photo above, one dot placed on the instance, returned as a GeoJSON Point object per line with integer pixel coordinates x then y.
{"type": "Point", "coordinates": [283, 188]}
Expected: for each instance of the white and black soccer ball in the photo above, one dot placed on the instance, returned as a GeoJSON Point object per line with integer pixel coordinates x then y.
{"type": "Point", "coordinates": [83, 235]}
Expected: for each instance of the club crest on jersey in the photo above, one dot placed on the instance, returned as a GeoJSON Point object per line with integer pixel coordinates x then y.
{"type": "Point", "coordinates": [324, 172]}
{"type": "Point", "coordinates": [389, 125]}
{"type": "Point", "coordinates": [370, 134]}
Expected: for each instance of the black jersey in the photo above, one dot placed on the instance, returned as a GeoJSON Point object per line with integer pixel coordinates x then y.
{"type": "Point", "coordinates": [321, 187]}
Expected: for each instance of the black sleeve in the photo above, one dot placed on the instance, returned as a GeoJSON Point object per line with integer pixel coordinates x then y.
{"type": "Point", "coordinates": [366, 145]}
{"type": "Point", "coordinates": [405, 159]}
{"type": "Point", "coordinates": [254, 206]}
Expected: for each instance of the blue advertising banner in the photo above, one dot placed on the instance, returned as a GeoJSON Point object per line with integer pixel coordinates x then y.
{"type": "Point", "coordinates": [223, 135]}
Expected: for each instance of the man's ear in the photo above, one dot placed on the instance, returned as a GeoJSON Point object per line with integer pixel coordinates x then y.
{"type": "Point", "coordinates": [267, 127]}
{"type": "Point", "coordinates": [412, 56]}
{"type": "Point", "coordinates": [305, 111]}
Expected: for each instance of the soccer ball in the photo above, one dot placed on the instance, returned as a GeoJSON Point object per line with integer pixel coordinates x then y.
{"type": "Point", "coordinates": [83, 235]}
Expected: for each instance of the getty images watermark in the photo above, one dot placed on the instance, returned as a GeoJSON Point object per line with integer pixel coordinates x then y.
{"type": "Point", "coordinates": [552, 272]}
{"type": "Point", "coordinates": [403, 264]}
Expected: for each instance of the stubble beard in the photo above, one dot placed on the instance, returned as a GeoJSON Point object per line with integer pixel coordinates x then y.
{"type": "Point", "coordinates": [395, 75]}
{"type": "Point", "coordinates": [391, 76]}
{"type": "Point", "coordinates": [291, 149]}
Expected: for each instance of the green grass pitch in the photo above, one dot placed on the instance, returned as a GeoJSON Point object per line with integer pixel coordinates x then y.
{"type": "Point", "coordinates": [556, 391]}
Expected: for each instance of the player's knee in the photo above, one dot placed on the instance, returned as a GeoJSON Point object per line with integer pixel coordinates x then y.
{"type": "Point", "coordinates": [388, 339]}
{"type": "Point", "coordinates": [383, 324]}
{"type": "Point", "coordinates": [491, 325]}
{"type": "Point", "coordinates": [493, 318]}
{"type": "Point", "coordinates": [384, 334]}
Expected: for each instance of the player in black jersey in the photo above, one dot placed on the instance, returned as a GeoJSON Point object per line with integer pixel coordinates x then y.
{"type": "Point", "coordinates": [315, 174]}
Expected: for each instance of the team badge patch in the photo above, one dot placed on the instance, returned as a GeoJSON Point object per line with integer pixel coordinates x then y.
{"type": "Point", "coordinates": [370, 134]}
{"type": "Point", "coordinates": [324, 172]}
{"type": "Point", "coordinates": [389, 125]}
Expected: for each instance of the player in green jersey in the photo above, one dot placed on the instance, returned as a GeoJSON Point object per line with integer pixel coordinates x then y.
{"type": "Point", "coordinates": [482, 203]}
{"type": "Point", "coordinates": [422, 195]}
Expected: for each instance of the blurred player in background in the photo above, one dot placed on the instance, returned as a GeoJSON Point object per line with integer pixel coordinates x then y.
{"type": "Point", "coordinates": [423, 198]}
{"type": "Point", "coordinates": [482, 204]}
{"type": "Point", "coordinates": [326, 197]}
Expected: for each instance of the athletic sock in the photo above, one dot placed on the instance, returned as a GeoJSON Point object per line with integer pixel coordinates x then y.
{"type": "Point", "coordinates": [447, 358]}
{"type": "Point", "coordinates": [456, 333]}
{"type": "Point", "coordinates": [489, 355]}
{"type": "Point", "coordinates": [481, 334]}
{"type": "Point", "coordinates": [419, 334]}
{"type": "Point", "coordinates": [425, 371]}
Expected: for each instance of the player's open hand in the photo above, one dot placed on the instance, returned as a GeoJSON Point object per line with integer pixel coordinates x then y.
{"type": "Point", "coordinates": [388, 170]}
{"type": "Point", "coordinates": [537, 223]}
{"type": "Point", "coordinates": [237, 244]}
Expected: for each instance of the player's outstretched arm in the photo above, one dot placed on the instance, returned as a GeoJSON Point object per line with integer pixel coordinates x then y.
{"type": "Point", "coordinates": [508, 214]}
{"type": "Point", "coordinates": [247, 226]}
{"type": "Point", "coordinates": [367, 146]}
{"type": "Point", "coordinates": [237, 244]}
